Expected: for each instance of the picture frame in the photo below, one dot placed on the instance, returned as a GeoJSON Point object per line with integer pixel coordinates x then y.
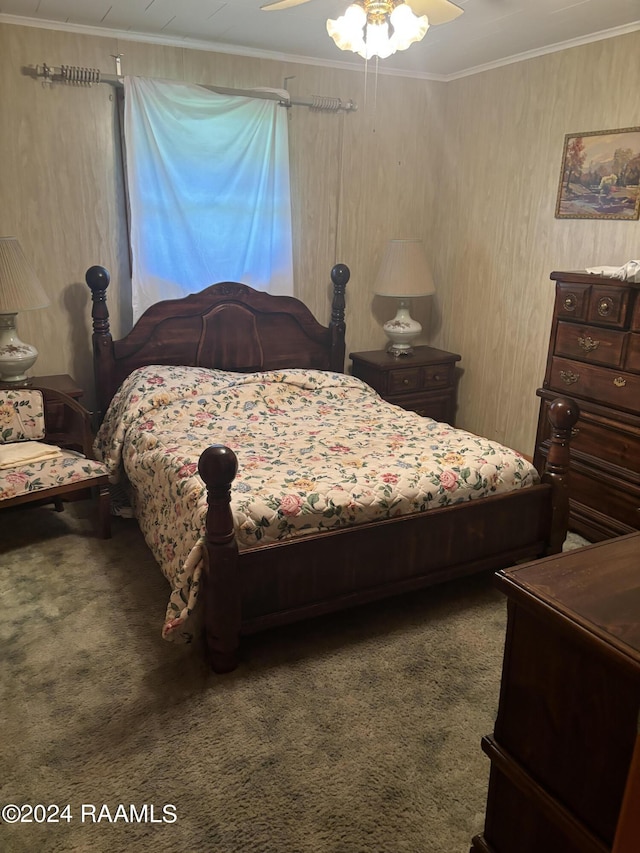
{"type": "Point", "coordinates": [600, 175]}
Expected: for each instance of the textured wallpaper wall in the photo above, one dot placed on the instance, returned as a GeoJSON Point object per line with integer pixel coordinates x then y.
{"type": "Point", "coordinates": [471, 166]}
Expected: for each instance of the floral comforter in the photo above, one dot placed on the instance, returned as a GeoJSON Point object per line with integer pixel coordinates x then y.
{"type": "Point", "coordinates": [316, 450]}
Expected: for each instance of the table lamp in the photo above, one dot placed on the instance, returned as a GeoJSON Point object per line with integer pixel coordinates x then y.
{"type": "Point", "coordinates": [20, 290]}
{"type": "Point", "coordinates": [404, 273]}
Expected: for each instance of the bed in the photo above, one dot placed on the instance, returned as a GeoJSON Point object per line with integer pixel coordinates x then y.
{"type": "Point", "coordinates": [273, 487]}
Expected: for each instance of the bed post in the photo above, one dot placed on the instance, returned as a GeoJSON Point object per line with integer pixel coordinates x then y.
{"type": "Point", "coordinates": [340, 275]}
{"type": "Point", "coordinates": [98, 279]}
{"type": "Point", "coordinates": [218, 465]}
{"type": "Point", "coordinates": [563, 414]}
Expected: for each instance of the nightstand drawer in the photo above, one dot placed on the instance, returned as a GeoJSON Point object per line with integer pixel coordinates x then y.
{"type": "Point", "coordinates": [407, 379]}
{"type": "Point", "coordinates": [437, 376]}
{"type": "Point", "coordinates": [439, 407]}
{"type": "Point", "coordinates": [420, 378]}
{"type": "Point", "coordinates": [54, 415]}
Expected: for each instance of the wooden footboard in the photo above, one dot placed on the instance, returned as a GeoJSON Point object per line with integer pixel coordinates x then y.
{"type": "Point", "coordinates": [315, 574]}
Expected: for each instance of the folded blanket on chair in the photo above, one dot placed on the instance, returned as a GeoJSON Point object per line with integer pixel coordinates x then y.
{"type": "Point", "coordinates": [26, 452]}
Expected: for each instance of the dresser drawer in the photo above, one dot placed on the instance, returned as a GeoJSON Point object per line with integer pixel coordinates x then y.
{"type": "Point", "coordinates": [608, 444]}
{"type": "Point", "coordinates": [588, 343]}
{"type": "Point", "coordinates": [609, 306]}
{"type": "Point", "coordinates": [635, 322]}
{"type": "Point", "coordinates": [620, 500]}
{"type": "Point", "coordinates": [633, 353]}
{"type": "Point", "coordinates": [608, 387]}
{"type": "Point", "coordinates": [572, 301]}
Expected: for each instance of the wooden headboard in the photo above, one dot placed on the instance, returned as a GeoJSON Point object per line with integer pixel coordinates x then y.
{"type": "Point", "coordinates": [229, 326]}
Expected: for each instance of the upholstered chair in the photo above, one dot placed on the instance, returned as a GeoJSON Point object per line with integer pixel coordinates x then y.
{"type": "Point", "coordinates": [41, 465]}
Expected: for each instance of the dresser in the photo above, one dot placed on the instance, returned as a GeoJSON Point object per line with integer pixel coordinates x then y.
{"type": "Point", "coordinates": [594, 356]}
{"type": "Point", "coordinates": [424, 382]}
{"type": "Point", "coordinates": [565, 765]}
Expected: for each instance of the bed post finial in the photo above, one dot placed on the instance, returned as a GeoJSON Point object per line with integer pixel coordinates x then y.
{"type": "Point", "coordinates": [218, 466]}
{"type": "Point", "coordinates": [340, 275]}
{"type": "Point", "coordinates": [98, 279]}
{"type": "Point", "coordinates": [563, 414]}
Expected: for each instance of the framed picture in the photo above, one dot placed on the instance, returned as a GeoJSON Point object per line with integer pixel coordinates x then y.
{"type": "Point", "coordinates": [600, 175]}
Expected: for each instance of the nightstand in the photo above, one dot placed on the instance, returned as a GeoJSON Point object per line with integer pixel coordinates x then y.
{"type": "Point", "coordinates": [424, 382]}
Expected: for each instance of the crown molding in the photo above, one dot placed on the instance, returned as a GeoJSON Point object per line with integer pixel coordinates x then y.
{"type": "Point", "coordinates": [200, 44]}
{"type": "Point", "coordinates": [543, 51]}
{"type": "Point", "coordinates": [215, 47]}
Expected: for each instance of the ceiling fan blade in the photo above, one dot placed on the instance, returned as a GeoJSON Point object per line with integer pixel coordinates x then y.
{"type": "Point", "coordinates": [438, 11]}
{"type": "Point", "coordinates": [281, 4]}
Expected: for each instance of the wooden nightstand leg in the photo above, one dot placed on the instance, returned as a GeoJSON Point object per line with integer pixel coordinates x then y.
{"type": "Point", "coordinates": [58, 504]}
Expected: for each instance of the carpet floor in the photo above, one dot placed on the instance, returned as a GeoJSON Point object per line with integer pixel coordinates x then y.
{"type": "Point", "coordinates": [355, 733]}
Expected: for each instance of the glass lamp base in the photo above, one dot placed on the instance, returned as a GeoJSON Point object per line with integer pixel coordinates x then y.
{"type": "Point", "coordinates": [16, 357]}
{"type": "Point", "coordinates": [402, 331]}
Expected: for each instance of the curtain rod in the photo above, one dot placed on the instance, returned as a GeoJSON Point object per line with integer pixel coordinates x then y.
{"type": "Point", "coordinates": [82, 76]}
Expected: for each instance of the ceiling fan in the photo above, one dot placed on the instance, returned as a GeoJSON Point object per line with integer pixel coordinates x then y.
{"type": "Point", "coordinates": [437, 11]}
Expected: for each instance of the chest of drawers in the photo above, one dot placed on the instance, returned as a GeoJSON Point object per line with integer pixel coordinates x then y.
{"type": "Point", "coordinates": [594, 356]}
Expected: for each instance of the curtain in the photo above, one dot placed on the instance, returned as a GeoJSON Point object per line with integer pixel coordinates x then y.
{"type": "Point", "coordinates": [209, 198]}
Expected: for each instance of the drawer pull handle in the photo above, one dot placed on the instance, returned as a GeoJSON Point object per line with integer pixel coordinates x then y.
{"type": "Point", "coordinates": [568, 377]}
{"type": "Point", "coordinates": [570, 302]}
{"type": "Point", "coordinates": [436, 378]}
{"type": "Point", "coordinates": [619, 381]}
{"type": "Point", "coordinates": [588, 344]}
{"type": "Point", "coordinates": [605, 306]}
{"type": "Point", "coordinates": [405, 381]}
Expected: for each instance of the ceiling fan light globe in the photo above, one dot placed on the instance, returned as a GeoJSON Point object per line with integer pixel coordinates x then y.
{"type": "Point", "coordinates": [377, 42]}
{"type": "Point", "coordinates": [378, 27]}
{"type": "Point", "coordinates": [347, 31]}
{"type": "Point", "coordinates": [407, 27]}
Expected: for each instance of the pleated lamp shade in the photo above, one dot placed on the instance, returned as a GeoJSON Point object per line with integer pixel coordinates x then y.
{"type": "Point", "coordinates": [20, 288]}
{"type": "Point", "coordinates": [405, 274]}
{"type": "Point", "coordinates": [404, 270]}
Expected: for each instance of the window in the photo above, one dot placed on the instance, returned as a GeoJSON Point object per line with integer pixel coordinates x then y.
{"type": "Point", "coordinates": [208, 182]}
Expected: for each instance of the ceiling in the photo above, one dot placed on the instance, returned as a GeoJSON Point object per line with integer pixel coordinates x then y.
{"type": "Point", "coordinates": [490, 32]}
